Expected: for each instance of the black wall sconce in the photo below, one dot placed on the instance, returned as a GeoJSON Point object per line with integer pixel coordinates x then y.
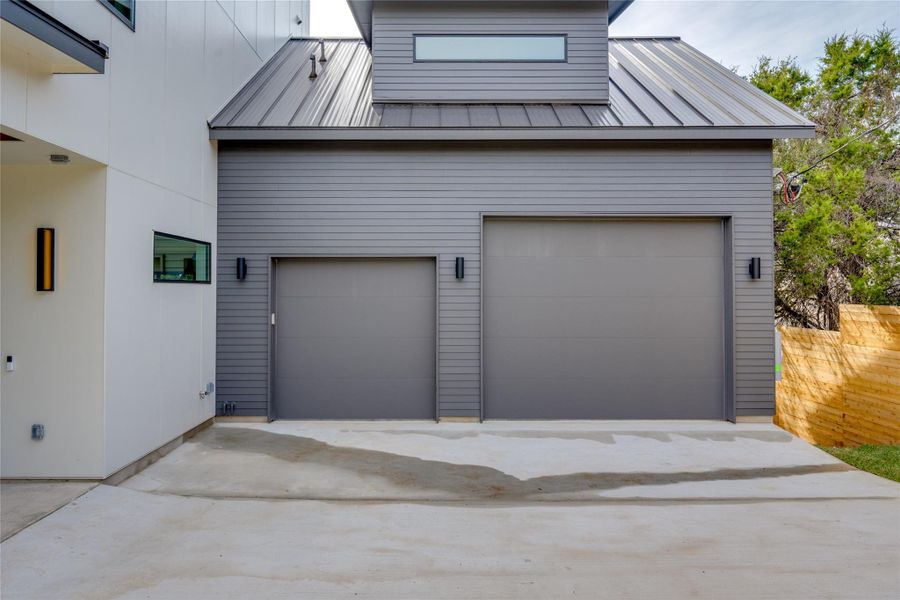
{"type": "Point", "coordinates": [46, 259]}
{"type": "Point", "coordinates": [460, 267]}
{"type": "Point", "coordinates": [755, 268]}
{"type": "Point", "coordinates": [241, 270]}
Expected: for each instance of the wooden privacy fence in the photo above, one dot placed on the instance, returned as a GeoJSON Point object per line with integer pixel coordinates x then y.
{"type": "Point", "coordinates": [842, 388]}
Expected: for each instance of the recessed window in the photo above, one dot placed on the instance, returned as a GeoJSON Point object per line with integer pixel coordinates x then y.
{"type": "Point", "coordinates": [124, 9]}
{"type": "Point", "coordinates": [489, 48]}
{"type": "Point", "coordinates": [180, 260]}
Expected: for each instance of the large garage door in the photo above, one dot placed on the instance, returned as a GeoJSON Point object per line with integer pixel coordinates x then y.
{"type": "Point", "coordinates": [354, 339]}
{"type": "Point", "coordinates": [603, 319]}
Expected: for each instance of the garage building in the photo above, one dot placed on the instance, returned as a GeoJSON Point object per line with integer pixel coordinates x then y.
{"type": "Point", "coordinates": [411, 234]}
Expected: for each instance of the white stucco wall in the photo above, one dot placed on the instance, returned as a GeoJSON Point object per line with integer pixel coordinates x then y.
{"type": "Point", "coordinates": [56, 337]}
{"type": "Point", "coordinates": [146, 119]}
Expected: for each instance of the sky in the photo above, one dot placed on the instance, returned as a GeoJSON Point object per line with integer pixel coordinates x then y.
{"type": "Point", "coordinates": [733, 32]}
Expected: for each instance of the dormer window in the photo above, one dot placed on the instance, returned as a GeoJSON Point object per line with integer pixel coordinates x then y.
{"type": "Point", "coordinates": [452, 47]}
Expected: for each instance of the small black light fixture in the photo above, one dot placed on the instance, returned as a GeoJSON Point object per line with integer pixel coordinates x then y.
{"type": "Point", "coordinates": [755, 268]}
{"type": "Point", "coordinates": [460, 267]}
{"type": "Point", "coordinates": [241, 268]}
{"type": "Point", "coordinates": [46, 259]}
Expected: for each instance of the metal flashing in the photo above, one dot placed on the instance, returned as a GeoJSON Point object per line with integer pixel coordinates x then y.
{"type": "Point", "coordinates": [58, 35]}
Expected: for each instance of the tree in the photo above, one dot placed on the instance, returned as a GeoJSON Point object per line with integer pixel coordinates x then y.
{"type": "Point", "coordinates": [839, 240]}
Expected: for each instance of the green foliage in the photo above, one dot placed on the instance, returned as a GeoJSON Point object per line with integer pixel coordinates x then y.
{"type": "Point", "coordinates": [785, 81]}
{"type": "Point", "coordinates": [839, 242]}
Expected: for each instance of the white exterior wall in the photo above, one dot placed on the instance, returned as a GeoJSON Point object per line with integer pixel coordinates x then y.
{"type": "Point", "coordinates": [145, 118]}
{"type": "Point", "coordinates": [56, 337]}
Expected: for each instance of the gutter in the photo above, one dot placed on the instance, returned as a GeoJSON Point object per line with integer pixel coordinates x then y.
{"type": "Point", "coordinates": [511, 133]}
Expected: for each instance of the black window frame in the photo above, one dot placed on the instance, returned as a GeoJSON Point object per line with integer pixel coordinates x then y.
{"type": "Point", "coordinates": [112, 8]}
{"type": "Point", "coordinates": [564, 36]}
{"type": "Point", "coordinates": [181, 238]}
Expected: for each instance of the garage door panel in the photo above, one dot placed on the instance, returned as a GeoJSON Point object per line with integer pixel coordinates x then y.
{"type": "Point", "coordinates": [357, 317]}
{"type": "Point", "coordinates": [589, 276]}
{"type": "Point", "coordinates": [629, 358]}
{"type": "Point", "coordinates": [621, 398]}
{"type": "Point", "coordinates": [341, 398]}
{"type": "Point", "coordinates": [619, 318]}
{"type": "Point", "coordinates": [355, 357]}
{"type": "Point", "coordinates": [567, 238]}
{"type": "Point", "coordinates": [603, 318]}
{"type": "Point", "coordinates": [343, 277]}
{"type": "Point", "coordinates": [355, 338]}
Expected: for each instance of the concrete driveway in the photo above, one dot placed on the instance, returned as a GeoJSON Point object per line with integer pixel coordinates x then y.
{"type": "Point", "coordinates": [499, 510]}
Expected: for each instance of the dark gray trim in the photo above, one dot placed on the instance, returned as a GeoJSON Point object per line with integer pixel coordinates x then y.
{"type": "Point", "coordinates": [437, 336]}
{"type": "Point", "coordinates": [617, 7]}
{"type": "Point", "coordinates": [54, 33]}
{"type": "Point", "coordinates": [272, 341]}
{"type": "Point", "coordinates": [510, 133]}
{"type": "Point", "coordinates": [564, 36]}
{"type": "Point", "coordinates": [120, 16]}
{"type": "Point", "coordinates": [481, 217]}
{"type": "Point", "coordinates": [729, 410]}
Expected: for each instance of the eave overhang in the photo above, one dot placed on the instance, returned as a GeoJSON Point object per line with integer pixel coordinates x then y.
{"type": "Point", "coordinates": [66, 50]}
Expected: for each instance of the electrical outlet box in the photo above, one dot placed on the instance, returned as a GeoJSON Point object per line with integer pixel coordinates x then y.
{"type": "Point", "coordinates": [10, 363]}
{"type": "Point", "coordinates": [37, 431]}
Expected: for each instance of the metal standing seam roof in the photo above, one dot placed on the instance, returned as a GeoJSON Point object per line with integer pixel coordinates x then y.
{"type": "Point", "coordinates": [660, 88]}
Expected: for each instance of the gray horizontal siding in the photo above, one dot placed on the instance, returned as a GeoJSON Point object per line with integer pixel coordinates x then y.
{"type": "Point", "coordinates": [281, 199]}
{"type": "Point", "coordinates": [397, 78]}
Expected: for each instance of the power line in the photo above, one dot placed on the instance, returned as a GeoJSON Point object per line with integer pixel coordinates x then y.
{"type": "Point", "coordinates": [790, 196]}
{"type": "Point", "coordinates": [845, 144]}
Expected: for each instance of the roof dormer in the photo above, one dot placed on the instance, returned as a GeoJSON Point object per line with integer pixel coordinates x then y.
{"type": "Point", "coordinates": [464, 51]}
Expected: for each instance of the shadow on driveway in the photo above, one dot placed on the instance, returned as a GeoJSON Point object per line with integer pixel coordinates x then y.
{"type": "Point", "coordinates": [472, 481]}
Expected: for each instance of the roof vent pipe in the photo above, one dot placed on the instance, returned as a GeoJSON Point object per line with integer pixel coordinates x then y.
{"type": "Point", "coordinates": [312, 73]}
{"type": "Point", "coordinates": [322, 51]}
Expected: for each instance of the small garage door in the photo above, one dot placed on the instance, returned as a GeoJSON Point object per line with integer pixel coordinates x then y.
{"type": "Point", "coordinates": [355, 339]}
{"type": "Point", "coordinates": [603, 319]}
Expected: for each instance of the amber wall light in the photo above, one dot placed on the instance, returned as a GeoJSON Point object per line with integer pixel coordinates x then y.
{"type": "Point", "coordinates": [46, 255]}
